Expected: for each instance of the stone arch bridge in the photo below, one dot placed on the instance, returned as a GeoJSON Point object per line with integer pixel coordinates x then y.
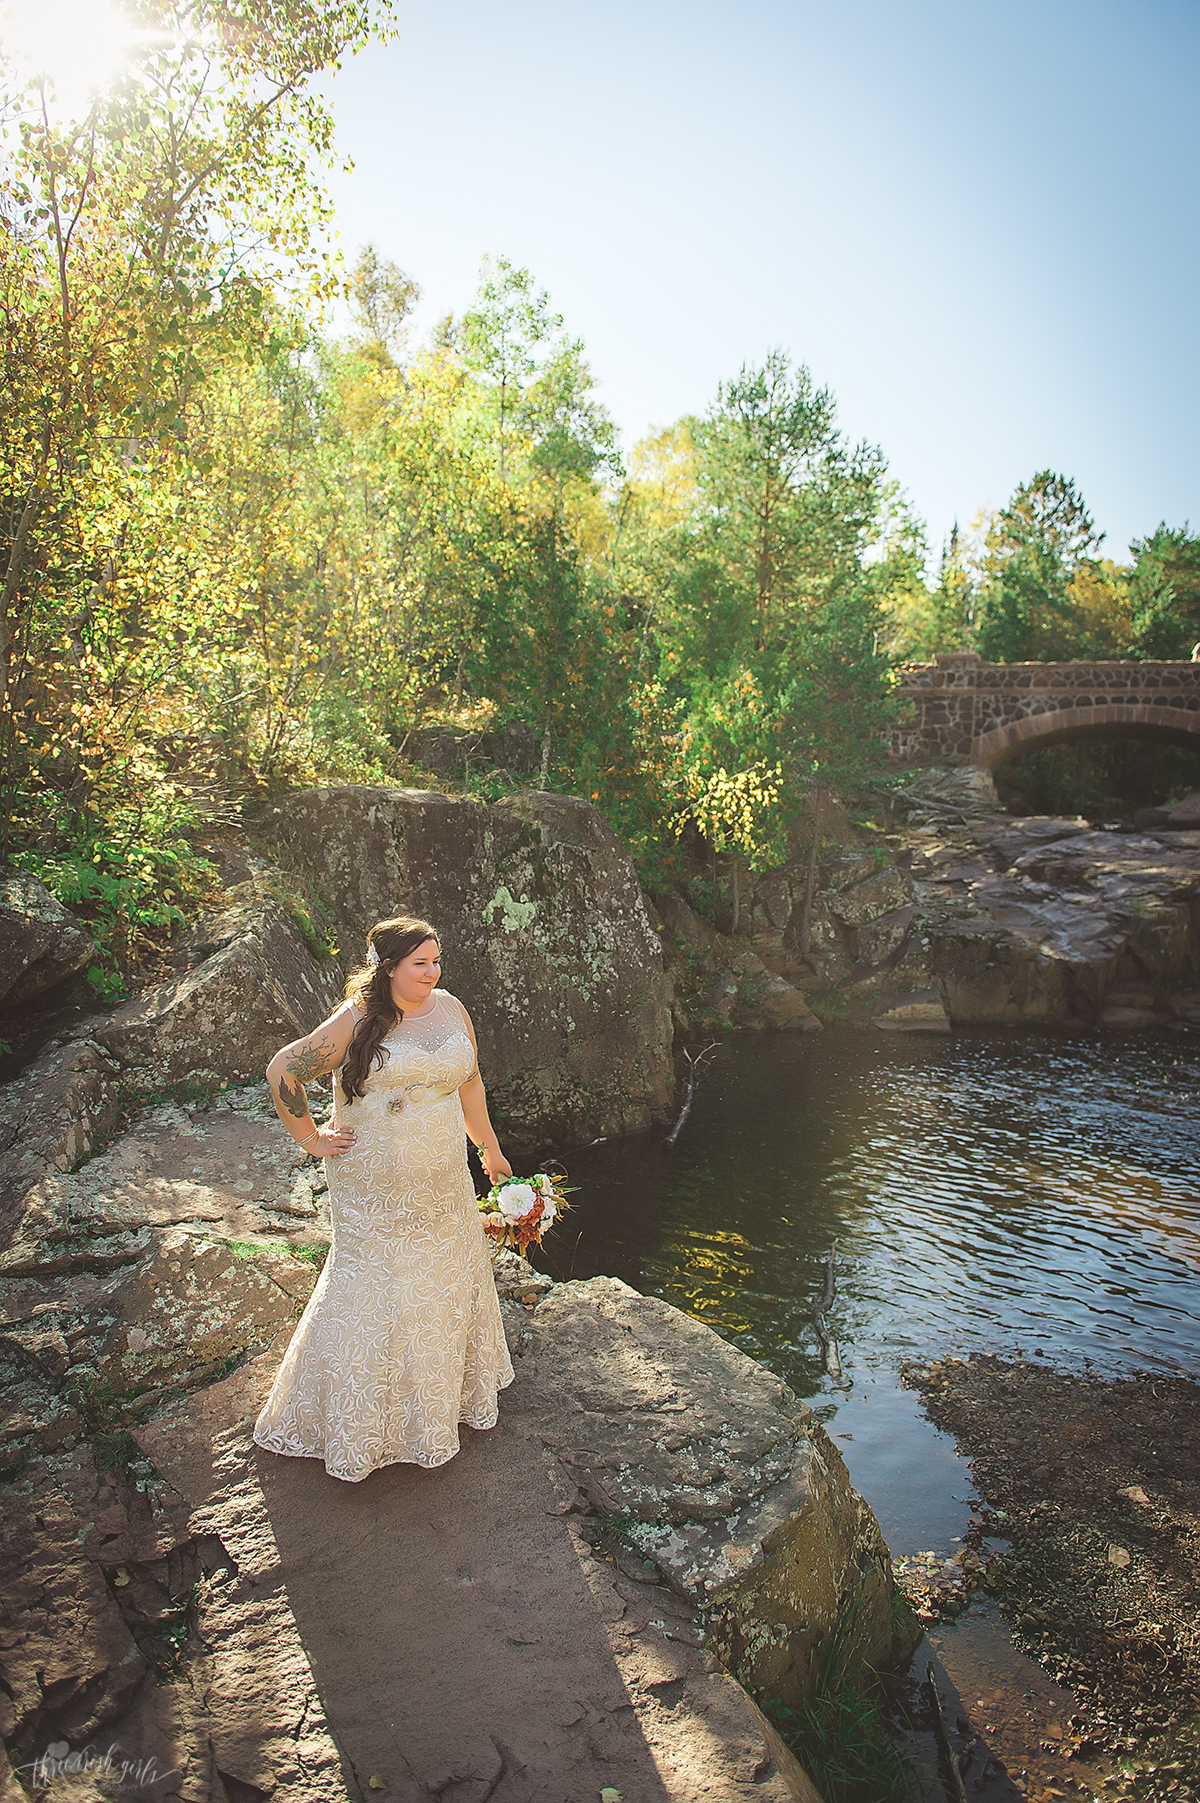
{"type": "Point", "coordinates": [962, 711]}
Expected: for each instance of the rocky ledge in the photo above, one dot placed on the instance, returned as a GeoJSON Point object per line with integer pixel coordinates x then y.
{"type": "Point", "coordinates": [964, 916]}
{"type": "Point", "coordinates": [676, 1530]}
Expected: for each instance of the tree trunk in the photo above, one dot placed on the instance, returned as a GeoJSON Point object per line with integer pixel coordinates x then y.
{"type": "Point", "coordinates": [810, 878]}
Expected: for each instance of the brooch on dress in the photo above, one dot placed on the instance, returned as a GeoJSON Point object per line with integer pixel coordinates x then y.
{"type": "Point", "coordinates": [412, 1092]}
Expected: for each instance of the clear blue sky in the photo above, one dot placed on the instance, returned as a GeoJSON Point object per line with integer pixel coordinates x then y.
{"type": "Point", "coordinates": [977, 223]}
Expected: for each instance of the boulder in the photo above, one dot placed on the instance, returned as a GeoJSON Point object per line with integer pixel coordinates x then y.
{"type": "Point", "coordinates": [156, 1310]}
{"type": "Point", "coordinates": [1128, 1020]}
{"type": "Point", "coordinates": [784, 1008]}
{"type": "Point", "coordinates": [1174, 816]}
{"type": "Point", "coordinates": [830, 950]}
{"type": "Point", "coordinates": [722, 997]}
{"type": "Point", "coordinates": [163, 1258]}
{"type": "Point", "coordinates": [844, 868]}
{"type": "Point", "coordinates": [546, 941]}
{"type": "Point", "coordinates": [898, 980]}
{"type": "Point", "coordinates": [52, 1116]}
{"type": "Point", "coordinates": [967, 789]}
{"type": "Point", "coordinates": [694, 938]}
{"type": "Point", "coordinates": [723, 1478]}
{"type": "Point", "coordinates": [765, 999]}
{"type": "Point", "coordinates": [41, 942]}
{"type": "Point", "coordinates": [254, 986]}
{"type": "Point", "coordinates": [882, 938]}
{"type": "Point", "coordinates": [919, 1013]}
{"type": "Point", "coordinates": [723, 980]}
{"type": "Point", "coordinates": [879, 894]}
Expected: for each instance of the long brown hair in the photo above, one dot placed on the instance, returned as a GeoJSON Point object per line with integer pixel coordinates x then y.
{"type": "Point", "coordinates": [370, 986]}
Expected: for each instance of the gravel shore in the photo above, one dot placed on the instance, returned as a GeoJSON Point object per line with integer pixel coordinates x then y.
{"type": "Point", "coordinates": [1096, 1485]}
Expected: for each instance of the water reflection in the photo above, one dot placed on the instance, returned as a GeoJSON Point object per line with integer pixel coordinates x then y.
{"type": "Point", "coordinates": [988, 1191]}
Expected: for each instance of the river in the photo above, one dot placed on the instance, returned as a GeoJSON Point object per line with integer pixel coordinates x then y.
{"type": "Point", "coordinates": [997, 1192]}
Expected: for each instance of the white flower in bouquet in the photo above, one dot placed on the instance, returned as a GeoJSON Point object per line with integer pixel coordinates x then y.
{"type": "Point", "coordinates": [549, 1209]}
{"type": "Point", "coordinates": [516, 1199]}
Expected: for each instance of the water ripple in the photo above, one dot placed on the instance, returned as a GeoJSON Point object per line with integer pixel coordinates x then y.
{"type": "Point", "coordinates": [989, 1192]}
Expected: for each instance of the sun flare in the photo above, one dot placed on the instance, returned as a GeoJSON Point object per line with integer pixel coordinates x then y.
{"type": "Point", "coordinates": [78, 45]}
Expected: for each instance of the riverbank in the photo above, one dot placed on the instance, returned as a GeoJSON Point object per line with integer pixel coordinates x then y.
{"type": "Point", "coordinates": [1095, 1483]}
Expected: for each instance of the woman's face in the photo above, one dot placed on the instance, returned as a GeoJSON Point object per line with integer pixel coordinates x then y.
{"type": "Point", "coordinates": [414, 977]}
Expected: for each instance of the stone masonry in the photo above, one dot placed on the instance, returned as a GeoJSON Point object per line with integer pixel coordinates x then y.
{"type": "Point", "coordinates": [963, 711]}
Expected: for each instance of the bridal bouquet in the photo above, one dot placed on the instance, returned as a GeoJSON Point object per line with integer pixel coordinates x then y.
{"type": "Point", "coordinates": [518, 1210]}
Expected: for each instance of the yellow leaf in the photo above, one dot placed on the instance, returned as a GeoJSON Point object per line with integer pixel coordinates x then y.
{"type": "Point", "coordinates": [377, 1781]}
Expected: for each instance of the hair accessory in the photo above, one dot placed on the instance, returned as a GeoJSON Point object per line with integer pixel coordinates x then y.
{"type": "Point", "coordinates": [372, 955]}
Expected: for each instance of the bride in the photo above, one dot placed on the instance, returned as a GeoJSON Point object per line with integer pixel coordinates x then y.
{"type": "Point", "coordinates": [402, 1338]}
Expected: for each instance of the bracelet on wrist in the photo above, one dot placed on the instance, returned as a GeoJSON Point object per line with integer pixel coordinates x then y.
{"type": "Point", "coordinates": [315, 1134]}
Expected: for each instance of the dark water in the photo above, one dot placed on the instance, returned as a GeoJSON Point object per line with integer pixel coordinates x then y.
{"type": "Point", "coordinates": [1007, 1193]}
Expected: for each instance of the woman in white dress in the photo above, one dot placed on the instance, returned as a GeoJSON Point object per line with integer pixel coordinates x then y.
{"type": "Point", "coordinates": [402, 1338]}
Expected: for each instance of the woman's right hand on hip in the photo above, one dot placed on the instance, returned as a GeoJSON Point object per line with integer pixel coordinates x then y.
{"type": "Point", "coordinates": [332, 1140]}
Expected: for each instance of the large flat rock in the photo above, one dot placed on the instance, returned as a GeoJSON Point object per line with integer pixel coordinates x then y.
{"type": "Point", "coordinates": [224, 1168]}
{"type": "Point", "coordinates": [457, 1634]}
{"type": "Point", "coordinates": [1041, 920]}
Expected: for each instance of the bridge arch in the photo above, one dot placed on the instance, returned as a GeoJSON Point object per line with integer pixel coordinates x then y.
{"type": "Point", "coordinates": [961, 710]}
{"type": "Point", "coordinates": [1167, 725]}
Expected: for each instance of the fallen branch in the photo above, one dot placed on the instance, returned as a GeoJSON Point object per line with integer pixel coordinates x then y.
{"type": "Point", "coordinates": [955, 1790]}
{"type": "Point", "coordinates": [694, 1065]}
{"type": "Point", "coordinates": [829, 1346]}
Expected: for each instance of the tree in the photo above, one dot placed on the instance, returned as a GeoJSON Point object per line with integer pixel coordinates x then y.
{"type": "Point", "coordinates": [135, 248]}
{"type": "Point", "coordinates": [923, 621]}
{"type": "Point", "coordinates": [535, 387]}
{"type": "Point", "coordinates": [382, 296]}
{"type": "Point", "coordinates": [755, 553]}
{"type": "Point", "coordinates": [781, 500]}
{"type": "Point", "coordinates": [1166, 592]}
{"type": "Point", "coordinates": [1036, 546]}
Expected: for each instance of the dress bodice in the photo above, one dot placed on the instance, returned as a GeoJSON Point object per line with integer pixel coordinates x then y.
{"type": "Point", "coordinates": [427, 1057]}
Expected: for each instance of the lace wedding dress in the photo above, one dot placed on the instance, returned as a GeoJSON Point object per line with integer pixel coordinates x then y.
{"type": "Point", "coordinates": [402, 1338]}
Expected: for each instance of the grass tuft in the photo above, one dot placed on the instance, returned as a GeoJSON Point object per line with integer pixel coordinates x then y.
{"type": "Point", "coordinates": [842, 1734]}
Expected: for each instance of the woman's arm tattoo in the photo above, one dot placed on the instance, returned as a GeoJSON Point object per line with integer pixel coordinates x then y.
{"type": "Point", "coordinates": [294, 1100]}
{"type": "Point", "coordinates": [313, 1061]}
